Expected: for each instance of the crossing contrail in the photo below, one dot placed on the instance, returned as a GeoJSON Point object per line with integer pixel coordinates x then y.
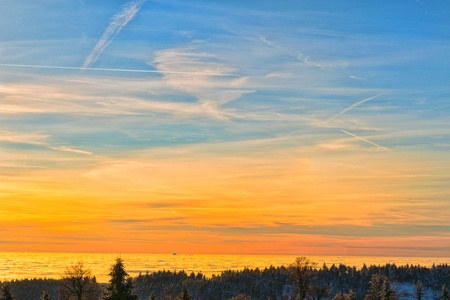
{"type": "Point", "coordinates": [367, 141]}
{"type": "Point", "coordinates": [118, 21]}
{"type": "Point", "coordinates": [115, 70]}
{"type": "Point", "coordinates": [351, 107]}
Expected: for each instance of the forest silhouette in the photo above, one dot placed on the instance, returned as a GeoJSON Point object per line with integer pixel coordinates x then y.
{"type": "Point", "coordinates": [302, 279]}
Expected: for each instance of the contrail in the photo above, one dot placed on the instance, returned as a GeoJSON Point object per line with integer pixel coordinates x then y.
{"type": "Point", "coordinates": [351, 107]}
{"type": "Point", "coordinates": [115, 70]}
{"type": "Point", "coordinates": [118, 21]}
{"type": "Point", "coordinates": [367, 141]}
{"type": "Point", "coordinates": [66, 149]}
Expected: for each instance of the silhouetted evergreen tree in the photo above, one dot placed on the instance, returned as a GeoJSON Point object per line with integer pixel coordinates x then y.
{"type": "Point", "coordinates": [45, 296]}
{"type": "Point", "coordinates": [185, 295]}
{"type": "Point", "coordinates": [388, 292]}
{"type": "Point", "coordinates": [444, 293]}
{"type": "Point", "coordinates": [375, 291]}
{"type": "Point", "coordinates": [418, 290]}
{"type": "Point", "coordinates": [6, 292]}
{"type": "Point", "coordinates": [121, 285]}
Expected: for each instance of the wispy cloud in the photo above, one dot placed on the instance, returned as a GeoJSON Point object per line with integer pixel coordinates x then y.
{"type": "Point", "coordinates": [67, 149]}
{"type": "Point", "coordinates": [322, 63]}
{"type": "Point", "coordinates": [211, 93]}
{"type": "Point", "coordinates": [351, 107]}
{"type": "Point", "coordinates": [118, 21]}
{"type": "Point", "coordinates": [21, 166]}
{"type": "Point", "coordinates": [367, 141]}
{"type": "Point", "coordinates": [21, 137]}
{"type": "Point", "coordinates": [25, 99]}
{"type": "Point", "coordinates": [265, 41]}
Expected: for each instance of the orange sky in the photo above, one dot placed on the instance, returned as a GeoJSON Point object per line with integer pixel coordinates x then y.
{"type": "Point", "coordinates": [230, 198]}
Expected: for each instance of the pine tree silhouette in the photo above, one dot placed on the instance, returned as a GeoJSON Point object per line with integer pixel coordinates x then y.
{"type": "Point", "coordinates": [6, 293]}
{"type": "Point", "coordinates": [185, 295]}
{"type": "Point", "coordinates": [444, 293]}
{"type": "Point", "coordinates": [45, 296]}
{"type": "Point", "coordinates": [121, 285]}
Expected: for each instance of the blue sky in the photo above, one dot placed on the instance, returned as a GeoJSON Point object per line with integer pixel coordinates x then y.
{"type": "Point", "coordinates": [357, 90]}
{"type": "Point", "coordinates": [332, 54]}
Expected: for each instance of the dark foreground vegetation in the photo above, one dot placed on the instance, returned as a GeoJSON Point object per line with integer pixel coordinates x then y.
{"type": "Point", "coordinates": [300, 280]}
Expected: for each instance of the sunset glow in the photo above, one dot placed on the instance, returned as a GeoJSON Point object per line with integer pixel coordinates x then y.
{"type": "Point", "coordinates": [305, 127]}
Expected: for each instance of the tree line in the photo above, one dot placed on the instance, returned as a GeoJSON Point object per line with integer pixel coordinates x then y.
{"type": "Point", "coordinates": [300, 280]}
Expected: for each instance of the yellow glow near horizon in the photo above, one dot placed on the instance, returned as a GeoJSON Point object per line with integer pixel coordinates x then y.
{"type": "Point", "coordinates": [216, 202]}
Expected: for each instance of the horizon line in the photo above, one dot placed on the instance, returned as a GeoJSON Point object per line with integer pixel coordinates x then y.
{"type": "Point", "coordinates": [256, 254]}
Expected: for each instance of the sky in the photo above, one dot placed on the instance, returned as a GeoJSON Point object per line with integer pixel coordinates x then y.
{"type": "Point", "coordinates": [229, 127]}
